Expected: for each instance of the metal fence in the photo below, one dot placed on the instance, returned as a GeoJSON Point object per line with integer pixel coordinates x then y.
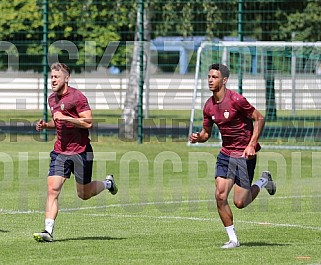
{"type": "Point", "coordinates": [88, 34]}
{"type": "Point", "coordinates": [92, 35]}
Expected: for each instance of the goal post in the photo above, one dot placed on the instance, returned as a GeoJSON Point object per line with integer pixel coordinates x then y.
{"type": "Point", "coordinates": [281, 79]}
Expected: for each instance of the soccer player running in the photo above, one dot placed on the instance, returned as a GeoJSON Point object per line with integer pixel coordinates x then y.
{"type": "Point", "coordinates": [72, 153]}
{"type": "Point", "coordinates": [236, 161]}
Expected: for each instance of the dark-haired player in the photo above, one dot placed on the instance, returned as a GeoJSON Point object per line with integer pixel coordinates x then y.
{"type": "Point", "coordinates": [235, 165]}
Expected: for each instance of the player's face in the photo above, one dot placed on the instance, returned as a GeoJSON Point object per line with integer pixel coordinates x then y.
{"type": "Point", "coordinates": [58, 81]}
{"type": "Point", "coordinates": [215, 80]}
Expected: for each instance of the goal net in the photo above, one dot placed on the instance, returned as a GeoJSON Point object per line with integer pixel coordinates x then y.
{"type": "Point", "coordinates": [281, 79]}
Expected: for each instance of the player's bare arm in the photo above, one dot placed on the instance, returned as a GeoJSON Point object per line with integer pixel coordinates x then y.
{"type": "Point", "coordinates": [85, 119]}
{"type": "Point", "coordinates": [258, 126]}
{"type": "Point", "coordinates": [41, 124]}
{"type": "Point", "coordinates": [201, 137]}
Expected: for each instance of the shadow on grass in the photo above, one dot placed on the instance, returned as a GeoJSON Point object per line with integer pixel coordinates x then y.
{"type": "Point", "coordinates": [263, 244]}
{"type": "Point", "coordinates": [89, 238]}
{"type": "Point", "coordinates": [4, 231]}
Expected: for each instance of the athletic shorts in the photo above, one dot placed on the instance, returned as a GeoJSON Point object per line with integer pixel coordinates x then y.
{"type": "Point", "coordinates": [80, 165]}
{"type": "Point", "coordinates": [239, 169]}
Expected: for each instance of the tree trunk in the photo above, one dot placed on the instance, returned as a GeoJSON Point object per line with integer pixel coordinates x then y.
{"type": "Point", "coordinates": [129, 122]}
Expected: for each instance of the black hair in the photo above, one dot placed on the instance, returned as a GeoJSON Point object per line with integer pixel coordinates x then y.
{"type": "Point", "coordinates": [222, 68]}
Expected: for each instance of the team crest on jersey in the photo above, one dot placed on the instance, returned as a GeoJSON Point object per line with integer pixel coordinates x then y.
{"type": "Point", "coordinates": [226, 114]}
{"type": "Point", "coordinates": [62, 106]}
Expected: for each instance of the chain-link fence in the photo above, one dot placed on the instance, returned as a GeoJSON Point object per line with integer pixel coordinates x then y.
{"type": "Point", "coordinates": [97, 40]}
{"type": "Point", "coordinates": [91, 34]}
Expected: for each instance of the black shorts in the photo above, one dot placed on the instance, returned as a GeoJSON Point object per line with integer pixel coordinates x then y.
{"type": "Point", "coordinates": [239, 169]}
{"type": "Point", "coordinates": [80, 165]}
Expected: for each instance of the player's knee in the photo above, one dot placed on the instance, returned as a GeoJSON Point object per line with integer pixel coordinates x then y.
{"type": "Point", "coordinates": [220, 197]}
{"type": "Point", "coordinates": [240, 204]}
{"type": "Point", "coordinates": [53, 192]}
{"type": "Point", "coordinates": [83, 195]}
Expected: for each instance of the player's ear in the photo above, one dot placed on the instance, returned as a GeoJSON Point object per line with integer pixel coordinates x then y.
{"type": "Point", "coordinates": [67, 78]}
{"type": "Point", "coordinates": [225, 80]}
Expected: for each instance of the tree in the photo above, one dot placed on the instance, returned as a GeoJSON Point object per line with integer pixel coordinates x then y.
{"type": "Point", "coordinates": [22, 22]}
{"type": "Point", "coordinates": [74, 21]}
{"type": "Point", "coordinates": [269, 12]}
{"type": "Point", "coordinates": [303, 24]}
{"type": "Point", "coordinates": [129, 117]}
{"type": "Point", "coordinates": [177, 18]}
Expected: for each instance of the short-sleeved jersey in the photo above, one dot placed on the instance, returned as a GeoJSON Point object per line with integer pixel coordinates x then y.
{"type": "Point", "coordinates": [70, 139]}
{"type": "Point", "coordinates": [233, 119]}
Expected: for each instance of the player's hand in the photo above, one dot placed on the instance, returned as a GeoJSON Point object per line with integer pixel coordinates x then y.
{"type": "Point", "coordinates": [58, 116]}
{"type": "Point", "coordinates": [40, 125]}
{"type": "Point", "coordinates": [194, 138]}
{"type": "Point", "coordinates": [249, 152]}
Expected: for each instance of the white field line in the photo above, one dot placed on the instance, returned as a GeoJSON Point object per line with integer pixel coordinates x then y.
{"type": "Point", "coordinates": [104, 206]}
{"type": "Point", "coordinates": [169, 217]}
{"type": "Point", "coordinates": [3, 211]}
{"type": "Point", "coordinates": [206, 220]}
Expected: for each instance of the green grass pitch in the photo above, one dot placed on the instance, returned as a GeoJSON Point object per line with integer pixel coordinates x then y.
{"type": "Point", "coordinates": [164, 212]}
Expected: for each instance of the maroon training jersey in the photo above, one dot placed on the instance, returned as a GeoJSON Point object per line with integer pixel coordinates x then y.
{"type": "Point", "coordinates": [70, 139]}
{"type": "Point", "coordinates": [233, 118]}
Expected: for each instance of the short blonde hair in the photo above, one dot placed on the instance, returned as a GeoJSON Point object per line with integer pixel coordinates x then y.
{"type": "Point", "coordinates": [60, 66]}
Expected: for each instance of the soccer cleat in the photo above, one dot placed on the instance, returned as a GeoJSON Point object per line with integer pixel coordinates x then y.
{"type": "Point", "coordinates": [43, 236]}
{"type": "Point", "coordinates": [270, 186]}
{"type": "Point", "coordinates": [231, 244]}
{"type": "Point", "coordinates": [113, 189]}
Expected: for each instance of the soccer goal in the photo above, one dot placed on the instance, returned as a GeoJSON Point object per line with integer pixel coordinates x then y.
{"type": "Point", "coordinates": [281, 79]}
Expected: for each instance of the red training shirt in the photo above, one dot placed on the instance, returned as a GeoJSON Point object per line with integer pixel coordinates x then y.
{"type": "Point", "coordinates": [233, 119]}
{"type": "Point", "coordinates": [70, 139]}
